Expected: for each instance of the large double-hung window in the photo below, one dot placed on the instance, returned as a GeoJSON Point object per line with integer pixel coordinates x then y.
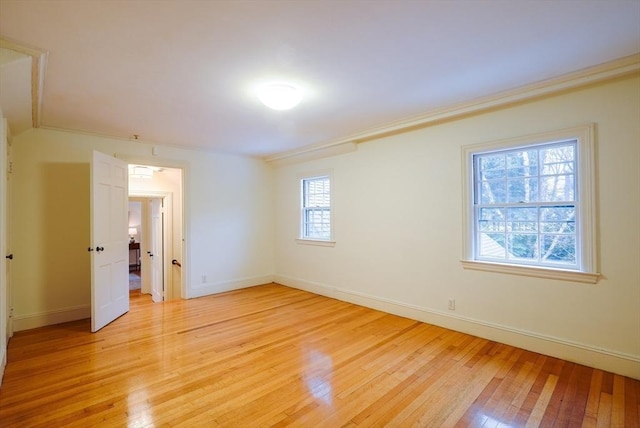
{"type": "Point", "coordinates": [529, 204]}
{"type": "Point", "coordinates": [525, 205]}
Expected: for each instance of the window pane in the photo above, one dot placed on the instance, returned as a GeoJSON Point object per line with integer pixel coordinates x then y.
{"type": "Point", "coordinates": [493, 192]}
{"type": "Point", "coordinates": [558, 159]}
{"type": "Point", "coordinates": [560, 219]}
{"type": "Point", "coordinates": [558, 168]}
{"type": "Point", "coordinates": [523, 159]}
{"type": "Point", "coordinates": [523, 246]}
{"type": "Point", "coordinates": [522, 219]}
{"type": "Point", "coordinates": [559, 248]}
{"type": "Point", "coordinates": [317, 216]}
{"type": "Point", "coordinates": [557, 188]}
{"type": "Point", "coordinates": [317, 192]}
{"type": "Point", "coordinates": [491, 167]}
{"type": "Point", "coordinates": [491, 220]}
{"type": "Point", "coordinates": [491, 245]}
{"type": "Point", "coordinates": [524, 171]}
{"type": "Point", "coordinates": [523, 190]}
{"type": "Point", "coordinates": [317, 223]}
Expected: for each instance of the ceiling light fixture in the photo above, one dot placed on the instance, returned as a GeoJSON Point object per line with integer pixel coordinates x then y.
{"type": "Point", "coordinates": [280, 96]}
{"type": "Point", "coordinates": [137, 171]}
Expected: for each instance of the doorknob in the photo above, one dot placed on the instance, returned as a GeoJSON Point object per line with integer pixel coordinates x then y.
{"type": "Point", "coordinates": [98, 249]}
{"type": "Point", "coordinates": [10, 257]}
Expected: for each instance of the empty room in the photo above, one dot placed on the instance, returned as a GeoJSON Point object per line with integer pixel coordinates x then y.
{"type": "Point", "coordinates": [320, 213]}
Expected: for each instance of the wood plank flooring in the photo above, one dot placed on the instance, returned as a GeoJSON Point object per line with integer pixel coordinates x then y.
{"type": "Point", "coordinates": [275, 356]}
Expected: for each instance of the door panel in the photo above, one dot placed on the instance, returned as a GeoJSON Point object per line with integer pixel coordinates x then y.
{"type": "Point", "coordinates": [4, 283]}
{"type": "Point", "coordinates": [109, 240]}
{"type": "Point", "coordinates": [157, 278]}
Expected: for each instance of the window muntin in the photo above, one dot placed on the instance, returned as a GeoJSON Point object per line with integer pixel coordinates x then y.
{"type": "Point", "coordinates": [524, 205]}
{"type": "Point", "coordinates": [316, 208]}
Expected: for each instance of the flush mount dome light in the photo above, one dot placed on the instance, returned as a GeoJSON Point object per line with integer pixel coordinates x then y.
{"type": "Point", "coordinates": [280, 96]}
{"type": "Point", "coordinates": [140, 171]}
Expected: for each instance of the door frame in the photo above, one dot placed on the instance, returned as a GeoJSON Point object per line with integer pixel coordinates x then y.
{"type": "Point", "coordinates": [158, 268]}
{"type": "Point", "coordinates": [184, 166]}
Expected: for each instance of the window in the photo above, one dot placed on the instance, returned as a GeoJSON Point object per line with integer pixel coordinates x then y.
{"type": "Point", "coordinates": [529, 204]}
{"type": "Point", "coordinates": [316, 208]}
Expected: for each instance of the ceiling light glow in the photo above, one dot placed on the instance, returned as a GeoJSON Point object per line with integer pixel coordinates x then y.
{"type": "Point", "coordinates": [280, 96]}
{"type": "Point", "coordinates": [139, 171]}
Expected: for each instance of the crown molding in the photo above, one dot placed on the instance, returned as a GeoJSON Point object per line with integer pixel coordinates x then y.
{"type": "Point", "coordinates": [311, 153]}
{"type": "Point", "coordinates": [588, 76]}
{"type": "Point", "coordinates": [38, 68]}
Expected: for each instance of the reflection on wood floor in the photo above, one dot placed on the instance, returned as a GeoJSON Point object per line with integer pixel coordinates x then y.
{"type": "Point", "coordinates": [271, 355]}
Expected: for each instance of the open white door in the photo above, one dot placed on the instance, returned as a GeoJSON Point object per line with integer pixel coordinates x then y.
{"type": "Point", "coordinates": [109, 240]}
{"type": "Point", "coordinates": [4, 304]}
{"type": "Point", "coordinates": [156, 255]}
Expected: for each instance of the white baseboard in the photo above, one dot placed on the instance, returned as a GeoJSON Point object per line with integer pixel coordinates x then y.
{"type": "Point", "coordinates": [200, 290]}
{"type": "Point", "coordinates": [57, 316]}
{"type": "Point", "coordinates": [3, 363]}
{"type": "Point", "coordinates": [612, 361]}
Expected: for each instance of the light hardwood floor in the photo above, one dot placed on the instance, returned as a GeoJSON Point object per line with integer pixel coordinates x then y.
{"type": "Point", "coordinates": [275, 356]}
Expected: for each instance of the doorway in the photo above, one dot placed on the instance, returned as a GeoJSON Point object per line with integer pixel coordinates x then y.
{"type": "Point", "coordinates": [148, 238]}
{"type": "Point", "coordinates": [156, 231]}
{"type": "Point", "coordinates": [135, 231]}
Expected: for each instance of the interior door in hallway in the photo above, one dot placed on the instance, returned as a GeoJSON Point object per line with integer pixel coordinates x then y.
{"type": "Point", "coordinates": [157, 253]}
{"type": "Point", "coordinates": [109, 241]}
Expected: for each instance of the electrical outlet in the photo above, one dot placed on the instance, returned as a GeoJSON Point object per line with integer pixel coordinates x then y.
{"type": "Point", "coordinates": [452, 304]}
{"type": "Point", "coordinates": [204, 279]}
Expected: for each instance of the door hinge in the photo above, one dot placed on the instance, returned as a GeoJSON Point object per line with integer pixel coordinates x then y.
{"type": "Point", "coordinates": [10, 167]}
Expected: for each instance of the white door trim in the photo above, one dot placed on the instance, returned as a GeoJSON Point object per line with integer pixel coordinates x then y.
{"type": "Point", "coordinates": [185, 273]}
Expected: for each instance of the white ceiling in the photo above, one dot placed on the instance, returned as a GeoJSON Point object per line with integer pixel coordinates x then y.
{"type": "Point", "coordinates": [181, 72]}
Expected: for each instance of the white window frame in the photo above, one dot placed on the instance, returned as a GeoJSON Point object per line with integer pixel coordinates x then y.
{"type": "Point", "coordinates": [330, 242]}
{"type": "Point", "coordinates": [586, 253]}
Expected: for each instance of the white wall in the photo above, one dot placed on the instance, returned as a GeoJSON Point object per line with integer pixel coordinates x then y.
{"type": "Point", "coordinates": [135, 216]}
{"type": "Point", "coordinates": [225, 241]}
{"type": "Point", "coordinates": [398, 222]}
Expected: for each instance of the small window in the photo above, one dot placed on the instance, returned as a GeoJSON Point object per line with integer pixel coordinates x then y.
{"type": "Point", "coordinates": [316, 208]}
{"type": "Point", "coordinates": [530, 204]}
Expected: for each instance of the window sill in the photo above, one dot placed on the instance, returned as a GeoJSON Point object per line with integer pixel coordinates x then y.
{"type": "Point", "coordinates": [316, 242]}
{"type": "Point", "coordinates": [536, 272]}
